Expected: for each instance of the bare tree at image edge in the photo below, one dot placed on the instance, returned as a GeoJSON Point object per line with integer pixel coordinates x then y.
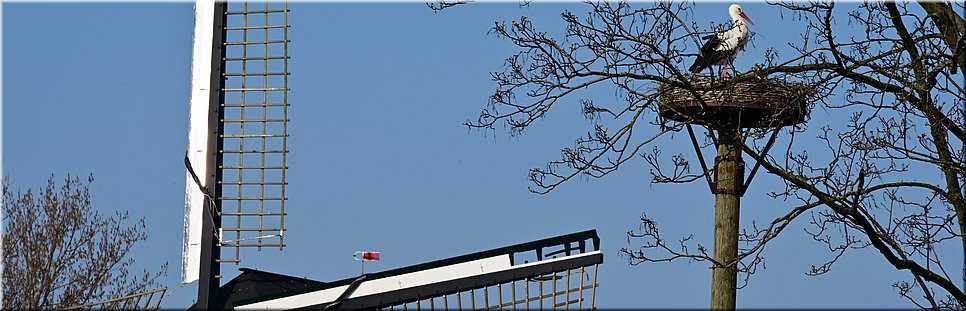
{"type": "Point", "coordinates": [890, 179]}
{"type": "Point", "coordinates": [59, 252]}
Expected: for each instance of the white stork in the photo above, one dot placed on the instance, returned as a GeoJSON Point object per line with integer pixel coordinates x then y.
{"type": "Point", "coordinates": [722, 47]}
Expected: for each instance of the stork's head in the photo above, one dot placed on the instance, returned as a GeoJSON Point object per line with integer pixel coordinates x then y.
{"type": "Point", "coordinates": [736, 12]}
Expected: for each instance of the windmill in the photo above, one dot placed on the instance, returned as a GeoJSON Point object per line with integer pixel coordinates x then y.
{"type": "Point", "coordinates": [236, 158]}
{"type": "Point", "coordinates": [235, 196]}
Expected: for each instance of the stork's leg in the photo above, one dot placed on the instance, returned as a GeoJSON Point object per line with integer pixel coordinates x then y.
{"type": "Point", "coordinates": [724, 71]}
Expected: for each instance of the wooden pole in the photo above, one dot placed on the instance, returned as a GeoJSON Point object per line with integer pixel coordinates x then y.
{"type": "Point", "coordinates": [729, 171]}
{"type": "Point", "coordinates": [751, 110]}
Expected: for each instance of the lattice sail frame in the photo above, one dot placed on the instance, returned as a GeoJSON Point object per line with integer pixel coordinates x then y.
{"type": "Point", "coordinates": [571, 289]}
{"type": "Point", "coordinates": [254, 134]}
{"type": "Point", "coordinates": [149, 300]}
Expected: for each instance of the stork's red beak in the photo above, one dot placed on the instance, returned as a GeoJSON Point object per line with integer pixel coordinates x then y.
{"type": "Point", "coordinates": [746, 18]}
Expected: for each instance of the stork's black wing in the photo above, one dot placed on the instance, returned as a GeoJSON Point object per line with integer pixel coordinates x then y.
{"type": "Point", "coordinates": [709, 54]}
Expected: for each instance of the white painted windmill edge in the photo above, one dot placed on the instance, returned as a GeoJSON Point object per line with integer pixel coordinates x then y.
{"type": "Point", "coordinates": [197, 139]}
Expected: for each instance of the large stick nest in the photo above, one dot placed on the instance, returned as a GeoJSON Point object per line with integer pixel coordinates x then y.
{"type": "Point", "coordinates": [751, 104]}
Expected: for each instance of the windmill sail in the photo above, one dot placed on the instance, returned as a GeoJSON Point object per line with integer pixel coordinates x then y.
{"type": "Point", "coordinates": [552, 273]}
{"type": "Point", "coordinates": [238, 133]}
{"type": "Point", "coordinates": [147, 300]}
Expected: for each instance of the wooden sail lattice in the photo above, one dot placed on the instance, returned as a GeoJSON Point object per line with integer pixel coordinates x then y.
{"type": "Point", "coordinates": [149, 300]}
{"type": "Point", "coordinates": [254, 134]}
{"type": "Point", "coordinates": [573, 289]}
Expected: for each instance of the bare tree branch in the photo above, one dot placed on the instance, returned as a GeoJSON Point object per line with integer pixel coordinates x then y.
{"type": "Point", "coordinates": [60, 252]}
{"type": "Point", "coordinates": [888, 178]}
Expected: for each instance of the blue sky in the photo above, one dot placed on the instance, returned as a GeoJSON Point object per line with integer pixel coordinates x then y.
{"type": "Point", "coordinates": [379, 157]}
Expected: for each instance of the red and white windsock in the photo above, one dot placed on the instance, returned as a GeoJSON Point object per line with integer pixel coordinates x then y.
{"type": "Point", "coordinates": [366, 256]}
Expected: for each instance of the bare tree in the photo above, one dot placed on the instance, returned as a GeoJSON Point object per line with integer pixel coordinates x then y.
{"type": "Point", "coordinates": [60, 252]}
{"type": "Point", "coordinates": [890, 178]}
{"type": "Point", "coordinates": [442, 5]}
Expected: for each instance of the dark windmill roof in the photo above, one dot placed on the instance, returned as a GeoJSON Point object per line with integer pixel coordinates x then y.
{"type": "Point", "coordinates": [253, 283]}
